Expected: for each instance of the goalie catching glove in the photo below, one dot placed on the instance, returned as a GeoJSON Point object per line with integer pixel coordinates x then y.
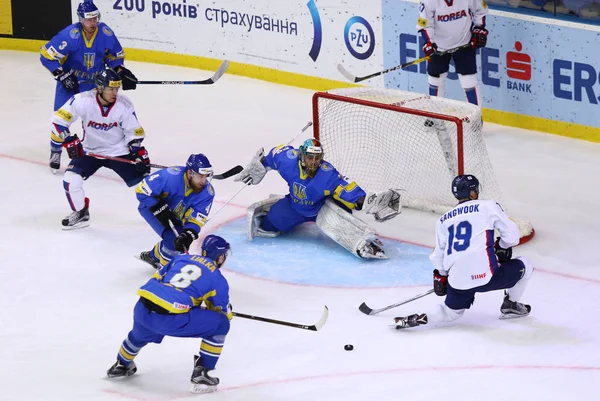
{"type": "Point", "coordinates": [383, 205]}
{"type": "Point", "coordinates": [254, 172]}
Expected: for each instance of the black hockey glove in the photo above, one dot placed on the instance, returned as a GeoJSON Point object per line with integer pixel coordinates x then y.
{"type": "Point", "coordinates": [503, 254]}
{"type": "Point", "coordinates": [185, 239]}
{"type": "Point", "coordinates": [74, 147]}
{"type": "Point", "coordinates": [67, 79]}
{"type": "Point", "coordinates": [163, 214]}
{"type": "Point", "coordinates": [139, 154]}
{"type": "Point", "coordinates": [479, 37]}
{"type": "Point", "coordinates": [128, 80]}
{"type": "Point", "coordinates": [440, 283]}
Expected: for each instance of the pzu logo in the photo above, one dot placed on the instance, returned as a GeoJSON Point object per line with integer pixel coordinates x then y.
{"type": "Point", "coordinates": [359, 38]}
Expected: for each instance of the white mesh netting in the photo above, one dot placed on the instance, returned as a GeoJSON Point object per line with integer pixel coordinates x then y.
{"type": "Point", "coordinates": [393, 141]}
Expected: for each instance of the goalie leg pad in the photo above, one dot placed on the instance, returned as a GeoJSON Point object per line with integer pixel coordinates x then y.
{"type": "Point", "coordinates": [349, 231]}
{"type": "Point", "coordinates": [256, 212]}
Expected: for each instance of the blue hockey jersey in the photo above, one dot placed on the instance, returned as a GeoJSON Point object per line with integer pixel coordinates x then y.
{"type": "Point", "coordinates": [185, 283]}
{"type": "Point", "coordinates": [308, 194]}
{"type": "Point", "coordinates": [71, 50]}
{"type": "Point", "coordinates": [171, 185]}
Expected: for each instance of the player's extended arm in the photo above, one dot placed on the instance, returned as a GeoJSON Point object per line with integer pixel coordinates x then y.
{"type": "Point", "coordinates": [478, 32]}
{"type": "Point", "coordinates": [425, 26]}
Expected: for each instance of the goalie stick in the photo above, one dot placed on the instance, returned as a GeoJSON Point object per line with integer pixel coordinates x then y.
{"type": "Point", "coordinates": [224, 175]}
{"type": "Point", "coordinates": [354, 78]}
{"type": "Point", "coordinates": [369, 311]}
{"type": "Point", "coordinates": [315, 327]}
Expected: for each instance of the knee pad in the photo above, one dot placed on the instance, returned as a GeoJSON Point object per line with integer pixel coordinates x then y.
{"type": "Point", "coordinates": [73, 185]}
{"type": "Point", "coordinates": [468, 81]}
{"type": "Point", "coordinates": [437, 84]}
{"type": "Point", "coordinates": [528, 267]}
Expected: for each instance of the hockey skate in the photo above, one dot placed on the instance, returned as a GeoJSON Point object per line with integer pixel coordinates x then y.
{"type": "Point", "coordinates": [121, 370]}
{"type": "Point", "coordinates": [201, 381]}
{"type": "Point", "coordinates": [54, 161]}
{"type": "Point", "coordinates": [511, 310]}
{"type": "Point", "coordinates": [77, 219]}
{"type": "Point", "coordinates": [372, 250]}
{"type": "Point", "coordinates": [409, 321]}
{"type": "Point", "coordinates": [146, 256]}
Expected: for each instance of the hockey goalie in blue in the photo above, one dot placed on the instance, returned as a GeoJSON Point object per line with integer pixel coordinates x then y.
{"type": "Point", "coordinates": [170, 305]}
{"type": "Point", "coordinates": [77, 54]}
{"type": "Point", "coordinates": [319, 193]}
{"type": "Point", "coordinates": [175, 202]}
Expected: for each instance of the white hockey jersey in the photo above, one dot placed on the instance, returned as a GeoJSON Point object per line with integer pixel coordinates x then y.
{"type": "Point", "coordinates": [106, 130]}
{"type": "Point", "coordinates": [448, 22]}
{"type": "Point", "coordinates": [464, 247]}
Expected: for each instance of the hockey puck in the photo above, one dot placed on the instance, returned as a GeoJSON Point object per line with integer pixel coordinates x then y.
{"type": "Point", "coordinates": [348, 347]}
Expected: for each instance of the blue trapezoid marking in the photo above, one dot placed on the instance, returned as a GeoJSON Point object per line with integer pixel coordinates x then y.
{"type": "Point", "coordinates": [317, 37]}
{"type": "Point", "coordinates": [306, 256]}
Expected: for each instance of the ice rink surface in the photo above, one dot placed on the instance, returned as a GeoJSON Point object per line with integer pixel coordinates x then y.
{"type": "Point", "coordinates": [67, 297]}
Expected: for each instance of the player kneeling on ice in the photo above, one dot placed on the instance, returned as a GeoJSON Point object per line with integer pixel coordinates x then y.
{"type": "Point", "coordinates": [169, 305]}
{"type": "Point", "coordinates": [317, 193]}
{"type": "Point", "coordinates": [468, 261]}
{"type": "Point", "coordinates": [111, 129]}
{"type": "Point", "coordinates": [175, 202]}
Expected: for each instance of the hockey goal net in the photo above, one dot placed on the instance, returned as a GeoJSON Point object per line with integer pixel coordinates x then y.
{"type": "Point", "coordinates": [384, 138]}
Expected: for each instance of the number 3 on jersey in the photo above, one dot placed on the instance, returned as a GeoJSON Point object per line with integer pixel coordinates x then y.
{"type": "Point", "coordinates": [459, 236]}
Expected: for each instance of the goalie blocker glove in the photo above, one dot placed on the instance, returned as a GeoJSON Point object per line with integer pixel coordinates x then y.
{"type": "Point", "coordinates": [185, 239]}
{"type": "Point", "coordinates": [163, 213]}
{"type": "Point", "coordinates": [383, 205]}
{"type": "Point", "coordinates": [255, 171]}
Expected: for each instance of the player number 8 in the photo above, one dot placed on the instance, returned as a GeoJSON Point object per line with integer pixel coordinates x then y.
{"type": "Point", "coordinates": [186, 275]}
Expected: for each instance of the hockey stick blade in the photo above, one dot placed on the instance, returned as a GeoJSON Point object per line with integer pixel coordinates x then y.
{"type": "Point", "coordinates": [365, 309]}
{"type": "Point", "coordinates": [229, 173]}
{"type": "Point", "coordinates": [369, 311]}
{"type": "Point", "coordinates": [347, 74]}
{"type": "Point", "coordinates": [315, 327]}
{"type": "Point", "coordinates": [218, 74]}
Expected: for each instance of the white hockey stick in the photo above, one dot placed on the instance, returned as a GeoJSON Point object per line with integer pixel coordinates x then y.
{"type": "Point", "coordinates": [368, 311]}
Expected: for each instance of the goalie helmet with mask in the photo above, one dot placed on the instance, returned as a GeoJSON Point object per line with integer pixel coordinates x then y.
{"type": "Point", "coordinates": [463, 185]}
{"type": "Point", "coordinates": [311, 156]}
{"type": "Point", "coordinates": [198, 171]}
{"type": "Point", "coordinates": [87, 9]}
{"type": "Point", "coordinates": [213, 247]}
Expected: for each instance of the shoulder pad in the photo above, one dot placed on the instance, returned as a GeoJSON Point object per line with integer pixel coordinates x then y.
{"type": "Point", "coordinates": [292, 153]}
{"type": "Point", "coordinates": [174, 170]}
{"type": "Point", "coordinates": [326, 166]}
{"type": "Point", "coordinates": [74, 33]}
{"type": "Point", "coordinates": [106, 30]}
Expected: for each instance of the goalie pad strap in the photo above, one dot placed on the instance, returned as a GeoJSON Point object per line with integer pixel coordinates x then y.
{"type": "Point", "coordinates": [255, 212]}
{"type": "Point", "coordinates": [344, 228]}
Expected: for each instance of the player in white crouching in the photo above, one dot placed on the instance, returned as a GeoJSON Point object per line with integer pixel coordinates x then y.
{"type": "Point", "coordinates": [450, 24]}
{"type": "Point", "coordinates": [468, 261]}
{"type": "Point", "coordinates": [110, 129]}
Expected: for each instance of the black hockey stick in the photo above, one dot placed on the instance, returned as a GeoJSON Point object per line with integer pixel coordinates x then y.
{"type": "Point", "coordinates": [218, 74]}
{"type": "Point", "coordinates": [368, 311]}
{"type": "Point", "coordinates": [354, 78]}
{"type": "Point", "coordinates": [224, 175]}
{"type": "Point", "coordinates": [314, 327]}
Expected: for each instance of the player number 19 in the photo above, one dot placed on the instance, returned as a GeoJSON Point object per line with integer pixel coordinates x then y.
{"type": "Point", "coordinates": [459, 236]}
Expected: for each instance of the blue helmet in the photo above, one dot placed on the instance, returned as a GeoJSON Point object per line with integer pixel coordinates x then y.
{"type": "Point", "coordinates": [463, 184]}
{"type": "Point", "coordinates": [108, 78]}
{"type": "Point", "coordinates": [199, 164]}
{"type": "Point", "coordinates": [214, 246]}
{"type": "Point", "coordinates": [88, 9]}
